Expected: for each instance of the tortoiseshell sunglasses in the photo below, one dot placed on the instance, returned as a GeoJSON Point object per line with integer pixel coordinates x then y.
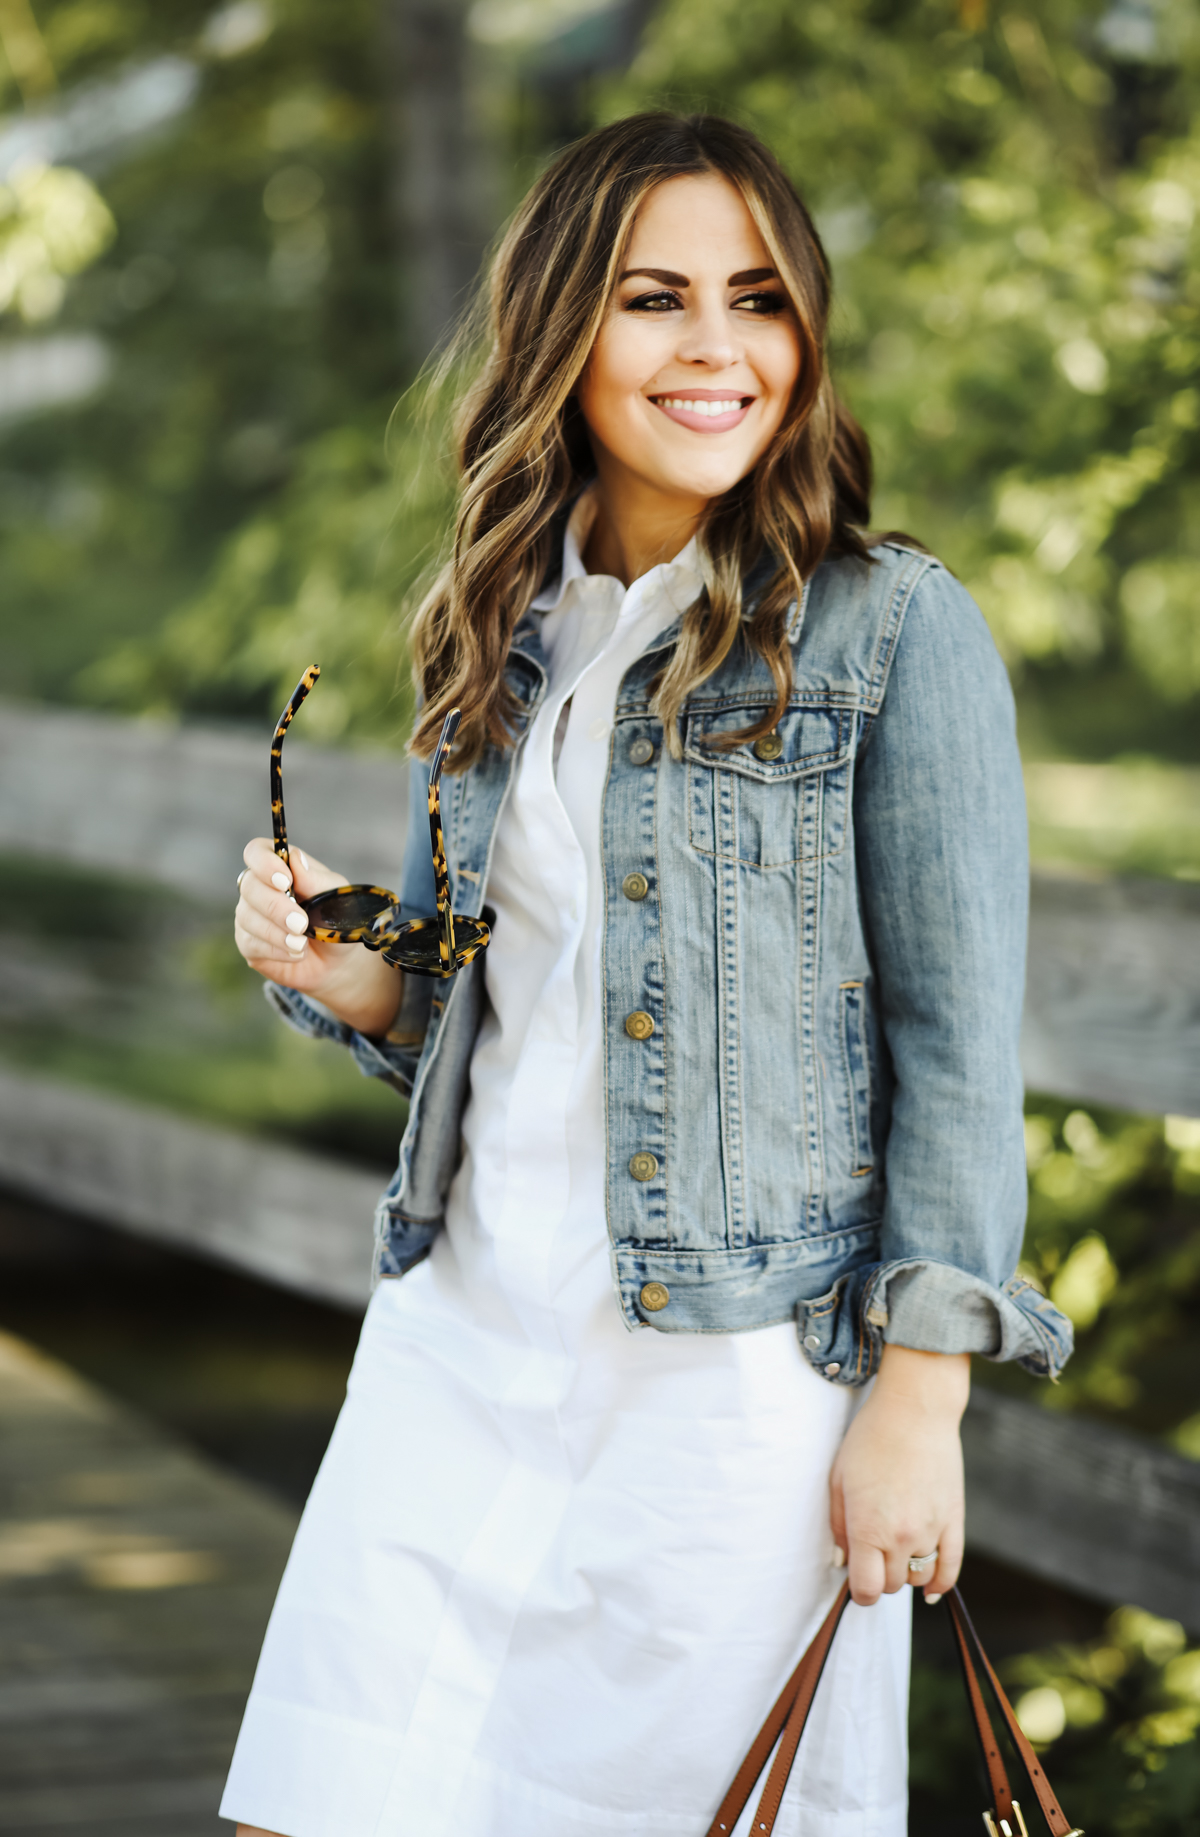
{"type": "Point", "coordinates": [371, 915]}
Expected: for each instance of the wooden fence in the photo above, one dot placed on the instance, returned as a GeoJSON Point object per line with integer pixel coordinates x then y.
{"type": "Point", "coordinates": [1112, 1016]}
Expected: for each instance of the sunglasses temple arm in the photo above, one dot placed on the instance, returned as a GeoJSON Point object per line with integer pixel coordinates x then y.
{"type": "Point", "coordinates": [441, 873]}
{"type": "Point", "coordinates": [278, 821]}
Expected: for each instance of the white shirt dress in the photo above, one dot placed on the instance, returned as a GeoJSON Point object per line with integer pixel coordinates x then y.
{"type": "Point", "coordinates": [553, 1573]}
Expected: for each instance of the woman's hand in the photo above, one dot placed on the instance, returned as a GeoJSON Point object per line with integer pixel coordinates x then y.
{"type": "Point", "coordinates": [897, 1483]}
{"type": "Point", "coordinates": [270, 930]}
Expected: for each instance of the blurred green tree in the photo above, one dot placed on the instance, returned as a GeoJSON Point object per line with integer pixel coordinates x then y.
{"type": "Point", "coordinates": [1009, 197]}
{"type": "Point", "coordinates": [1009, 200]}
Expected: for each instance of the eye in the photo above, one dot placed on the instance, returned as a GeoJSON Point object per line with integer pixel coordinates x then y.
{"type": "Point", "coordinates": [662, 302]}
{"type": "Point", "coordinates": [763, 305]}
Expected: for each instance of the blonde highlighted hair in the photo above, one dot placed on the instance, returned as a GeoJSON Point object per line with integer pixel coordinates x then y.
{"type": "Point", "coordinates": [523, 451]}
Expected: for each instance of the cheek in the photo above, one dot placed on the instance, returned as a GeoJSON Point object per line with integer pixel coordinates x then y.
{"type": "Point", "coordinates": [612, 378]}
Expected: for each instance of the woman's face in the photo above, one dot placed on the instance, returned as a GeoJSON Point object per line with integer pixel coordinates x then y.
{"type": "Point", "coordinates": [695, 366]}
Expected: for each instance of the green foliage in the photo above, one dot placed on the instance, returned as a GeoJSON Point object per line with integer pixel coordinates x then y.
{"type": "Point", "coordinates": [1116, 1720]}
{"type": "Point", "coordinates": [1114, 1238]}
{"type": "Point", "coordinates": [250, 303]}
{"type": "Point", "coordinates": [1011, 214]}
{"type": "Point", "coordinates": [317, 574]}
{"type": "Point", "coordinates": [53, 224]}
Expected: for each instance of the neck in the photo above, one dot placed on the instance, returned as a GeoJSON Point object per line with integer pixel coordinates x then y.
{"type": "Point", "coordinates": [636, 529]}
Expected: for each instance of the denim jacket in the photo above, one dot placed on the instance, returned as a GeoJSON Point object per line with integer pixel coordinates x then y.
{"type": "Point", "coordinates": [826, 1121]}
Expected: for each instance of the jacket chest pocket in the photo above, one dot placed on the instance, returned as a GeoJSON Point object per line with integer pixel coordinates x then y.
{"type": "Point", "coordinates": [770, 804]}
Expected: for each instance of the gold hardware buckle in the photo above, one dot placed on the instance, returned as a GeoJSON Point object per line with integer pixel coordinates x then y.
{"type": "Point", "coordinates": [1004, 1829]}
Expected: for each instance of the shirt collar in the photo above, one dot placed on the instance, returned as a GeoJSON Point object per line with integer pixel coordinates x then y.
{"type": "Point", "coordinates": [682, 576]}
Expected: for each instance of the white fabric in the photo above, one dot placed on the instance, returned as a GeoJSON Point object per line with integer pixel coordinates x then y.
{"type": "Point", "coordinates": [553, 1573]}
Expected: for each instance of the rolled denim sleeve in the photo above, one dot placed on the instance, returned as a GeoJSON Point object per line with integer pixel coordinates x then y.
{"type": "Point", "coordinates": [394, 1057]}
{"type": "Point", "coordinates": [944, 882]}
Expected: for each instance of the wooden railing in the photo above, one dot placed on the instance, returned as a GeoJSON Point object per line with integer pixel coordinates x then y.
{"type": "Point", "coordinates": [1112, 1016]}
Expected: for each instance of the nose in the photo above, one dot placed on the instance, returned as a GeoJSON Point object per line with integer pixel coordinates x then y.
{"type": "Point", "coordinates": [709, 336]}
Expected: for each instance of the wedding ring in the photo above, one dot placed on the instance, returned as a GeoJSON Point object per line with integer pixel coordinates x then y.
{"type": "Point", "coordinates": [242, 875]}
{"type": "Point", "coordinates": [922, 1562]}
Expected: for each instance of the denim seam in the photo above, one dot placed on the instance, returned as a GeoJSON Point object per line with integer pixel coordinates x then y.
{"type": "Point", "coordinates": [889, 634]}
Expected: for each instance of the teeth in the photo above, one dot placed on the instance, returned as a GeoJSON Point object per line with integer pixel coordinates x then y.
{"type": "Point", "coordinates": [701, 407]}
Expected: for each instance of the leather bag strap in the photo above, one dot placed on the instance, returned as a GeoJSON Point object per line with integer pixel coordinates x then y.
{"type": "Point", "coordinates": [800, 1688]}
{"type": "Point", "coordinates": [789, 1713]}
{"type": "Point", "coordinates": [966, 1637]}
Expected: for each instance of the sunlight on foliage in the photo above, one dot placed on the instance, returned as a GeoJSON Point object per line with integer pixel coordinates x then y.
{"type": "Point", "coordinates": [319, 575]}
{"type": "Point", "coordinates": [1018, 311]}
{"type": "Point", "coordinates": [1114, 1238]}
{"type": "Point", "coordinates": [53, 224]}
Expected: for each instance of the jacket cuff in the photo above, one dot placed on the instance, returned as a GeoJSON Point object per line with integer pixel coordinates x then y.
{"type": "Point", "coordinates": [932, 1307]}
{"type": "Point", "coordinates": [386, 1058]}
{"type": "Point", "coordinates": [936, 1307]}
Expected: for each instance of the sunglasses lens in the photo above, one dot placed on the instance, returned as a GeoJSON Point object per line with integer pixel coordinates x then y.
{"type": "Point", "coordinates": [416, 945]}
{"type": "Point", "coordinates": [347, 914]}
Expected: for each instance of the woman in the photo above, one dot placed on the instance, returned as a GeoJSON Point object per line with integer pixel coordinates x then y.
{"type": "Point", "coordinates": [740, 794]}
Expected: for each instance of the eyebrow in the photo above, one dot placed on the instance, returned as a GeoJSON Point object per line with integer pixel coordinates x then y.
{"type": "Point", "coordinates": [746, 278]}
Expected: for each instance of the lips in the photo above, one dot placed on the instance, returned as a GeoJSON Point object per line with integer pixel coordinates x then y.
{"type": "Point", "coordinates": [706, 411]}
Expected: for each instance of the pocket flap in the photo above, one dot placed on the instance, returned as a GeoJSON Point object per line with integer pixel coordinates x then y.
{"type": "Point", "coordinates": [808, 740]}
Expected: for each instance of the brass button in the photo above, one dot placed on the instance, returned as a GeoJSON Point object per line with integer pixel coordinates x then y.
{"type": "Point", "coordinates": [769, 747]}
{"type": "Point", "coordinates": [654, 1296]}
{"type": "Point", "coordinates": [641, 752]}
{"type": "Point", "coordinates": [635, 886]}
{"type": "Point", "coordinates": [643, 1166]}
{"type": "Point", "coordinates": [639, 1025]}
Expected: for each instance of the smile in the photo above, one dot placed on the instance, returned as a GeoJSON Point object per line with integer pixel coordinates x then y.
{"type": "Point", "coordinates": [707, 413]}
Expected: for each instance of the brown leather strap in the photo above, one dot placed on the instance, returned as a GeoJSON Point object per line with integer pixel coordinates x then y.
{"type": "Point", "coordinates": [800, 1686]}
{"type": "Point", "coordinates": [992, 1759]}
{"type": "Point", "coordinates": [964, 1630]}
{"type": "Point", "coordinates": [789, 1714]}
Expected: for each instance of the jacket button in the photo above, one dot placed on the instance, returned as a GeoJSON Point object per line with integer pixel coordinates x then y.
{"type": "Point", "coordinates": [641, 752]}
{"type": "Point", "coordinates": [654, 1297]}
{"type": "Point", "coordinates": [635, 886]}
{"type": "Point", "coordinates": [812, 1342]}
{"type": "Point", "coordinates": [769, 747]}
{"type": "Point", "coordinates": [639, 1025]}
{"type": "Point", "coordinates": [643, 1166]}
{"type": "Point", "coordinates": [831, 1371]}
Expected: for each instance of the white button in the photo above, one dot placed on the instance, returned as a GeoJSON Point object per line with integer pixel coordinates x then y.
{"type": "Point", "coordinates": [598, 730]}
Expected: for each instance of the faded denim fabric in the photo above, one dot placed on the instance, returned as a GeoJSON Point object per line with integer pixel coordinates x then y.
{"type": "Point", "coordinates": [833, 952]}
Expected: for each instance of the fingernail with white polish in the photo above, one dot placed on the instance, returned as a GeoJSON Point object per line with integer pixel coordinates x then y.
{"type": "Point", "coordinates": [295, 943]}
{"type": "Point", "coordinates": [282, 882]}
{"type": "Point", "coordinates": [932, 1600]}
{"type": "Point", "coordinates": [296, 921]}
{"type": "Point", "coordinates": [839, 1557]}
{"type": "Point", "coordinates": [303, 858]}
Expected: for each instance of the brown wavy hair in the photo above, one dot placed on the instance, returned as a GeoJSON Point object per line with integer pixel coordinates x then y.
{"type": "Point", "coordinates": [523, 451]}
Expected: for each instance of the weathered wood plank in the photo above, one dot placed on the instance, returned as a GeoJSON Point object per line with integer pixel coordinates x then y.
{"type": "Point", "coordinates": [1106, 1513]}
{"type": "Point", "coordinates": [299, 1219]}
{"type": "Point", "coordinates": [1112, 1001]}
{"type": "Point", "coordinates": [1113, 1004]}
{"type": "Point", "coordinates": [177, 804]}
{"type": "Point", "coordinates": [135, 1583]}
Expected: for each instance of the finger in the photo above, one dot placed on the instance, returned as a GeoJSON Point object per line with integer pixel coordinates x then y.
{"type": "Point", "coordinates": [257, 941]}
{"type": "Point", "coordinates": [949, 1563]}
{"type": "Point", "coordinates": [896, 1566]}
{"type": "Point", "coordinates": [837, 1521]}
{"type": "Point", "coordinates": [273, 917]}
{"type": "Point", "coordinates": [266, 866]}
{"type": "Point", "coordinates": [278, 910]}
{"type": "Point", "coordinates": [312, 876]}
{"type": "Point", "coordinates": [867, 1573]}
